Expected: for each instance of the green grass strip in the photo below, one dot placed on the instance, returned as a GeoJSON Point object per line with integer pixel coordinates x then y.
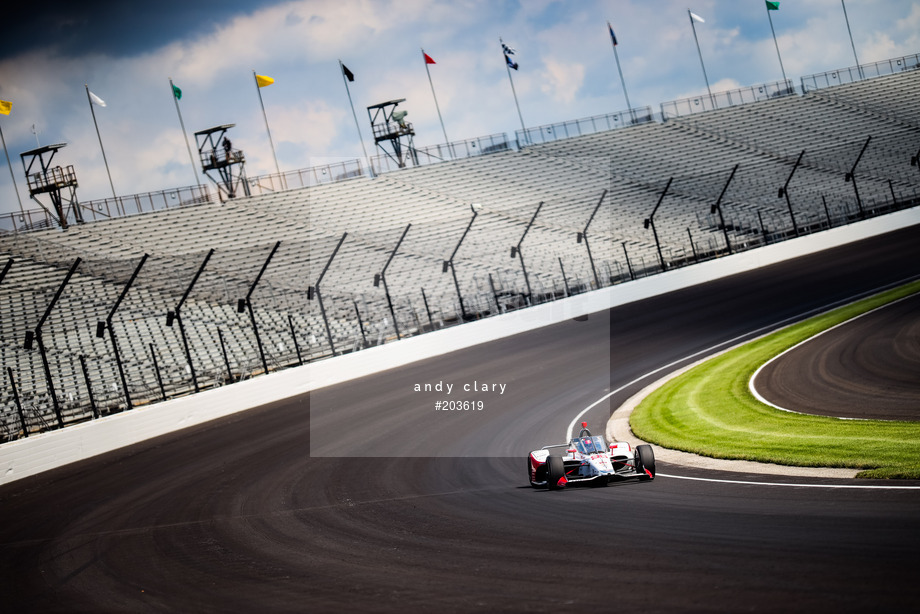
{"type": "Point", "coordinates": [710, 411]}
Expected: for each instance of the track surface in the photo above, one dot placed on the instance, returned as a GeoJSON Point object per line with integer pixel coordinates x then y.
{"type": "Point", "coordinates": [867, 368]}
{"type": "Point", "coordinates": [256, 513]}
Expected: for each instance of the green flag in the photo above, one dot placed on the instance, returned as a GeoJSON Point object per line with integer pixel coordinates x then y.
{"type": "Point", "coordinates": [178, 93]}
{"type": "Point", "coordinates": [772, 6]}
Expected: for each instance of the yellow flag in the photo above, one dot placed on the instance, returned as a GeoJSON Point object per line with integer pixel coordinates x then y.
{"type": "Point", "coordinates": [262, 80]}
{"type": "Point", "coordinates": [5, 107]}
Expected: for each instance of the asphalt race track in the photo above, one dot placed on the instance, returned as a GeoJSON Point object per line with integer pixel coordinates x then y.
{"type": "Point", "coordinates": [868, 368]}
{"type": "Point", "coordinates": [388, 505]}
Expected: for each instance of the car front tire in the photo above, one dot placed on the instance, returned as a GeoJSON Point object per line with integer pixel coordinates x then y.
{"type": "Point", "coordinates": [555, 471]}
{"type": "Point", "coordinates": [646, 462]}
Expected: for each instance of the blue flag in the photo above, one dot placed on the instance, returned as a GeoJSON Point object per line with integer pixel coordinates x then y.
{"type": "Point", "coordinates": [613, 36]}
{"type": "Point", "coordinates": [508, 51]}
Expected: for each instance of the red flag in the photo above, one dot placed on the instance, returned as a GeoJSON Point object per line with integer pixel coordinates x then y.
{"type": "Point", "coordinates": [428, 59]}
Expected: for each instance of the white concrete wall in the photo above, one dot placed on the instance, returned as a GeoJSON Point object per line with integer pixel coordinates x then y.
{"type": "Point", "coordinates": [45, 451]}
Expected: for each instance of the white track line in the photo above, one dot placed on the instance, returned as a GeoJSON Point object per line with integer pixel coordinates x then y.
{"type": "Point", "coordinates": [775, 325]}
{"type": "Point", "coordinates": [712, 348]}
{"type": "Point", "coordinates": [753, 389]}
{"type": "Point", "coordinates": [722, 481]}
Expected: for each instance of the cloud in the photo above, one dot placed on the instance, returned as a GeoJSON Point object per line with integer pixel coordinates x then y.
{"type": "Point", "coordinates": [567, 72]}
{"type": "Point", "coordinates": [562, 80]}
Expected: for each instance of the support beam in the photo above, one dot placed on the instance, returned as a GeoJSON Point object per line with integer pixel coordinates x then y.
{"type": "Point", "coordinates": [650, 223]}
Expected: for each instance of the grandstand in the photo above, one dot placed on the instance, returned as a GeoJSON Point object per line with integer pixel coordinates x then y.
{"type": "Point", "coordinates": [207, 255]}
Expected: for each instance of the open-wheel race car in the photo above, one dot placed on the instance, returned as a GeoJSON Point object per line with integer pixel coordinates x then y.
{"type": "Point", "coordinates": [589, 459]}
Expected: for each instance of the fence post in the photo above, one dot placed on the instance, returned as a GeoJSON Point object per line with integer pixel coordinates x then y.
{"type": "Point", "coordinates": [628, 264]}
{"type": "Point", "coordinates": [718, 207]}
{"type": "Point", "coordinates": [498, 307]}
{"type": "Point", "coordinates": [361, 323]}
{"type": "Point", "coordinates": [246, 303]}
{"type": "Point", "coordinates": [826, 212]}
{"type": "Point", "coordinates": [156, 370]}
{"type": "Point", "coordinates": [6, 268]}
{"type": "Point", "coordinates": [851, 176]}
{"type": "Point", "coordinates": [177, 316]}
{"type": "Point", "coordinates": [314, 289]}
{"type": "Point", "coordinates": [36, 334]}
{"type": "Point", "coordinates": [382, 276]}
{"type": "Point", "coordinates": [449, 263]}
{"type": "Point", "coordinates": [102, 326]}
{"type": "Point", "coordinates": [584, 235]}
{"type": "Point", "coordinates": [428, 310]}
{"type": "Point", "coordinates": [565, 279]}
{"type": "Point", "coordinates": [650, 222]}
{"type": "Point", "coordinates": [516, 250]}
{"type": "Point", "coordinates": [22, 416]}
{"type": "Point", "coordinates": [223, 351]}
{"type": "Point", "coordinates": [696, 257]}
{"type": "Point", "coordinates": [89, 387]}
{"type": "Point", "coordinates": [294, 337]}
{"type": "Point", "coordinates": [763, 231]}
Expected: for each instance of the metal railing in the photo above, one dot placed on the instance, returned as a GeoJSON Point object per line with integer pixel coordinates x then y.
{"type": "Point", "coordinates": [54, 178]}
{"type": "Point", "coordinates": [107, 208]}
{"type": "Point", "coordinates": [306, 177]}
{"type": "Point", "coordinates": [724, 100]}
{"type": "Point", "coordinates": [351, 169]}
{"type": "Point", "coordinates": [146, 202]}
{"type": "Point", "coordinates": [579, 127]}
{"type": "Point", "coordinates": [445, 152]}
{"type": "Point", "coordinates": [861, 72]}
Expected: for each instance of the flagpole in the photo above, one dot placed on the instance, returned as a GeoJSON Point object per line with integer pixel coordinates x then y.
{"type": "Point", "coordinates": [619, 69]}
{"type": "Point", "coordinates": [13, 177]}
{"type": "Point", "coordinates": [355, 115]}
{"type": "Point", "coordinates": [267, 130]}
{"type": "Point", "coordinates": [436, 106]}
{"type": "Point", "coordinates": [852, 44]}
{"type": "Point", "coordinates": [99, 136]}
{"type": "Point", "coordinates": [770, 17]}
{"type": "Point", "coordinates": [514, 93]}
{"type": "Point", "coordinates": [191, 158]}
{"type": "Point", "coordinates": [705, 77]}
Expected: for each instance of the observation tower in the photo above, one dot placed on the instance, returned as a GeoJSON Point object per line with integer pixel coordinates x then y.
{"type": "Point", "coordinates": [392, 133]}
{"type": "Point", "coordinates": [58, 182]}
{"type": "Point", "coordinates": [217, 155]}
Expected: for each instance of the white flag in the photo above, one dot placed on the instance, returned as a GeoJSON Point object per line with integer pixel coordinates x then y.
{"type": "Point", "coordinates": [96, 99]}
{"type": "Point", "coordinates": [697, 17]}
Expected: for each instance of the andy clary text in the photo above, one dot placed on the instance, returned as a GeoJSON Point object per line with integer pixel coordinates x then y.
{"type": "Point", "coordinates": [474, 386]}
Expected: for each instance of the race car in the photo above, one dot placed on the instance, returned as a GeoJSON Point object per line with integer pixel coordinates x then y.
{"type": "Point", "coordinates": [588, 458]}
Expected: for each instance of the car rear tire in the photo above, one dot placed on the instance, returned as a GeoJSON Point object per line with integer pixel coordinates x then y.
{"type": "Point", "coordinates": [555, 471]}
{"type": "Point", "coordinates": [646, 462]}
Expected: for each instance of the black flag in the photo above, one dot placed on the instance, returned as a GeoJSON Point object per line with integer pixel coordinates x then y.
{"type": "Point", "coordinates": [348, 74]}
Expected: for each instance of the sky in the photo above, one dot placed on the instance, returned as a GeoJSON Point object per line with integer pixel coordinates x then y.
{"type": "Point", "coordinates": [126, 52]}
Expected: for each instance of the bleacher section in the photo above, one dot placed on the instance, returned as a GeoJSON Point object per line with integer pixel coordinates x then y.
{"type": "Point", "coordinates": [569, 176]}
